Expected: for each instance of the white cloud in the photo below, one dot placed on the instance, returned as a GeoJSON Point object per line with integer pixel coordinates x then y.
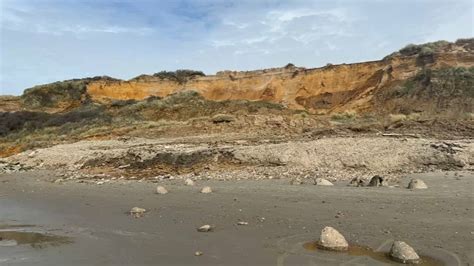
{"type": "Point", "coordinates": [22, 18]}
{"type": "Point", "coordinates": [84, 29]}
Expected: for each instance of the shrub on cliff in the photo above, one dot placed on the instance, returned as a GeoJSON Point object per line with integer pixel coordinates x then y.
{"type": "Point", "coordinates": [181, 76]}
{"type": "Point", "coordinates": [11, 122]}
{"type": "Point", "coordinates": [423, 49]}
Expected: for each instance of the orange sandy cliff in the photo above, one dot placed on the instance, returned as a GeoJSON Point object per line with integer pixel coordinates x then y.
{"type": "Point", "coordinates": [330, 88]}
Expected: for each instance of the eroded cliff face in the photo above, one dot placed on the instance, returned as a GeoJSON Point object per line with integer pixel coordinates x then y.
{"type": "Point", "coordinates": [320, 90]}
{"type": "Point", "coordinates": [360, 87]}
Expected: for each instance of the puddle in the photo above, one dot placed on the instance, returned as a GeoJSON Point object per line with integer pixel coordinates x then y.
{"type": "Point", "coordinates": [357, 251]}
{"type": "Point", "coordinates": [37, 240]}
{"type": "Point", "coordinates": [8, 226]}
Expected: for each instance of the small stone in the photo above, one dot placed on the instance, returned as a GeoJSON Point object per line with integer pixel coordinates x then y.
{"type": "Point", "coordinates": [198, 253]}
{"type": "Point", "coordinates": [205, 228]}
{"type": "Point", "coordinates": [100, 182]}
{"type": "Point", "coordinates": [417, 184]}
{"type": "Point", "coordinates": [322, 182]}
{"type": "Point", "coordinates": [189, 182]}
{"type": "Point", "coordinates": [161, 190]}
{"type": "Point", "coordinates": [242, 223]}
{"type": "Point", "coordinates": [206, 190]}
{"type": "Point", "coordinates": [402, 252]}
{"type": "Point", "coordinates": [331, 239]}
{"type": "Point", "coordinates": [57, 181]}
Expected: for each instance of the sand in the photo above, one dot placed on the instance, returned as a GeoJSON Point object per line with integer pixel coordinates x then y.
{"type": "Point", "coordinates": [438, 221]}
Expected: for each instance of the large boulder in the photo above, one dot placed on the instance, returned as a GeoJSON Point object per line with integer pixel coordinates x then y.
{"type": "Point", "coordinates": [402, 252]}
{"type": "Point", "coordinates": [322, 182]}
{"type": "Point", "coordinates": [377, 181]}
{"type": "Point", "coordinates": [222, 118]}
{"type": "Point", "coordinates": [417, 184]}
{"type": "Point", "coordinates": [331, 239]}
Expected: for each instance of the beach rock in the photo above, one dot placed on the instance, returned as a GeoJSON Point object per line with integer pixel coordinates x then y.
{"type": "Point", "coordinates": [189, 182]}
{"type": "Point", "coordinates": [222, 118]}
{"type": "Point", "coordinates": [161, 190]}
{"type": "Point", "coordinates": [402, 252]}
{"type": "Point", "coordinates": [205, 228]}
{"type": "Point", "coordinates": [417, 184]}
{"type": "Point", "coordinates": [322, 182]}
{"type": "Point", "coordinates": [357, 182]}
{"type": "Point", "coordinates": [377, 181]}
{"type": "Point", "coordinates": [206, 190]}
{"type": "Point", "coordinates": [331, 239]}
{"type": "Point", "coordinates": [198, 253]}
{"type": "Point", "coordinates": [137, 212]}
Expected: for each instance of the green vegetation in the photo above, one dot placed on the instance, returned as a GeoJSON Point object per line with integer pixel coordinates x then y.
{"type": "Point", "coordinates": [348, 115]}
{"type": "Point", "coordinates": [190, 104]}
{"type": "Point", "coordinates": [51, 95]}
{"type": "Point", "coordinates": [29, 129]}
{"type": "Point", "coordinates": [426, 48]}
{"type": "Point", "coordinates": [181, 76]}
{"type": "Point", "coordinates": [12, 122]}
{"type": "Point", "coordinates": [446, 82]}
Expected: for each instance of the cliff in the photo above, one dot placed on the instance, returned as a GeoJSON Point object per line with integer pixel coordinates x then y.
{"type": "Point", "coordinates": [330, 88]}
{"type": "Point", "coordinates": [361, 87]}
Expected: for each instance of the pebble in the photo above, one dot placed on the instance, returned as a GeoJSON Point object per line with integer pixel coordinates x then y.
{"type": "Point", "coordinates": [198, 253]}
{"type": "Point", "coordinates": [242, 223]}
{"type": "Point", "coordinates": [322, 182]}
{"type": "Point", "coordinates": [331, 239]}
{"type": "Point", "coordinates": [205, 228]}
{"type": "Point", "coordinates": [161, 190]}
{"type": "Point", "coordinates": [402, 252]}
{"type": "Point", "coordinates": [417, 184]}
{"type": "Point", "coordinates": [206, 190]}
{"type": "Point", "coordinates": [189, 182]}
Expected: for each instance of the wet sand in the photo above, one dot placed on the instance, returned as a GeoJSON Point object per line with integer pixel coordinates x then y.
{"type": "Point", "coordinates": [437, 222]}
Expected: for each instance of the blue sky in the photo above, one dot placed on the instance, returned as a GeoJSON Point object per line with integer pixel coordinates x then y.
{"type": "Point", "coordinates": [42, 41]}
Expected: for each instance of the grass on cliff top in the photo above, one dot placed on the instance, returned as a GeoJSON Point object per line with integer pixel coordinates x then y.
{"type": "Point", "coordinates": [180, 76]}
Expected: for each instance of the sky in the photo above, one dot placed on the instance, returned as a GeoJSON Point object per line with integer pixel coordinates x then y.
{"type": "Point", "coordinates": [43, 41]}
